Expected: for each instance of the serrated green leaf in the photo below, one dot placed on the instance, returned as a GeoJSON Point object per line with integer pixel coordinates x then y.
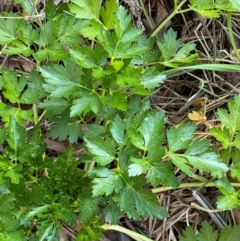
{"type": "Point", "coordinates": [152, 128]}
{"type": "Point", "coordinates": [66, 127]}
{"type": "Point", "coordinates": [230, 199]}
{"type": "Point", "coordinates": [55, 106]}
{"type": "Point", "coordinates": [197, 147]}
{"type": "Point", "coordinates": [137, 105]}
{"type": "Point", "coordinates": [236, 141]}
{"type": "Point", "coordinates": [138, 167]}
{"type": "Point", "coordinates": [88, 207]}
{"type": "Point", "coordinates": [88, 9]}
{"type": "Point", "coordinates": [150, 54]}
{"type": "Point", "coordinates": [41, 55]}
{"type": "Point", "coordinates": [229, 233]}
{"type": "Point", "coordinates": [27, 34]}
{"type": "Point", "coordinates": [18, 49]}
{"type": "Point", "coordinates": [6, 203]}
{"type": "Point", "coordinates": [8, 30]}
{"type": "Point", "coordinates": [57, 52]}
{"type": "Point", "coordinates": [108, 12]}
{"type": "Point", "coordinates": [60, 81]}
{"type": "Point", "coordinates": [95, 29]}
{"type": "Point", "coordinates": [20, 115]}
{"type": "Point", "coordinates": [169, 45]}
{"type": "Point", "coordinates": [89, 58]}
{"type": "Point", "coordinates": [112, 213]}
{"type": "Point", "coordinates": [208, 162]}
{"type": "Point", "coordinates": [34, 91]}
{"type": "Point", "coordinates": [206, 233]}
{"type": "Point", "coordinates": [205, 8]}
{"type": "Point", "coordinates": [188, 235]}
{"type": "Point", "coordinates": [66, 29]}
{"type": "Point", "coordinates": [46, 36]}
{"type": "Point", "coordinates": [228, 202]}
{"type": "Point", "coordinates": [225, 186]}
{"type": "Point", "coordinates": [103, 150]}
{"type": "Point", "coordinates": [116, 99]}
{"type": "Point", "coordinates": [129, 76]}
{"type": "Point", "coordinates": [144, 201]}
{"type": "Point", "coordinates": [16, 134]}
{"type": "Point", "coordinates": [151, 78]}
{"type": "Point", "coordinates": [162, 174]}
{"type": "Point", "coordinates": [222, 135]}
{"type": "Point", "coordinates": [235, 170]}
{"type": "Point", "coordinates": [3, 134]}
{"type": "Point", "coordinates": [136, 138]}
{"type": "Point", "coordinates": [14, 173]}
{"type": "Point", "coordinates": [122, 22]}
{"type": "Point", "coordinates": [183, 52]}
{"type": "Point", "coordinates": [180, 162]}
{"type": "Point", "coordinates": [180, 137]}
{"type": "Point", "coordinates": [231, 120]}
{"type": "Point", "coordinates": [128, 50]}
{"type": "Point", "coordinates": [117, 130]}
{"type": "Point", "coordinates": [107, 185]}
{"type": "Point", "coordinates": [12, 85]}
{"type": "Point", "coordinates": [89, 102]}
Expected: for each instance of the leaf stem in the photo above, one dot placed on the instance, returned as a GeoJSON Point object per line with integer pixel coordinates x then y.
{"type": "Point", "coordinates": [130, 233]}
{"type": "Point", "coordinates": [190, 185]}
{"type": "Point", "coordinates": [174, 12]}
{"type": "Point", "coordinates": [146, 15]}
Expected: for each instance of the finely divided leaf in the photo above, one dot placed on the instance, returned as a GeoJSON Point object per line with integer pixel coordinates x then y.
{"type": "Point", "coordinates": [180, 137]}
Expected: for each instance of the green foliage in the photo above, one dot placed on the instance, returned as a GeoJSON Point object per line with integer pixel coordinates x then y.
{"type": "Point", "coordinates": [96, 96]}
{"type": "Point", "coordinates": [206, 233]}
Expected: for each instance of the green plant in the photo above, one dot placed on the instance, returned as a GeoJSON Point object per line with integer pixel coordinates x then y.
{"type": "Point", "coordinates": [206, 233]}
{"type": "Point", "coordinates": [93, 77]}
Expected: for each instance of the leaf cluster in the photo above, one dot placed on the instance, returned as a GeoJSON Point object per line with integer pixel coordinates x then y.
{"type": "Point", "coordinates": [97, 95]}
{"type": "Point", "coordinates": [206, 233]}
